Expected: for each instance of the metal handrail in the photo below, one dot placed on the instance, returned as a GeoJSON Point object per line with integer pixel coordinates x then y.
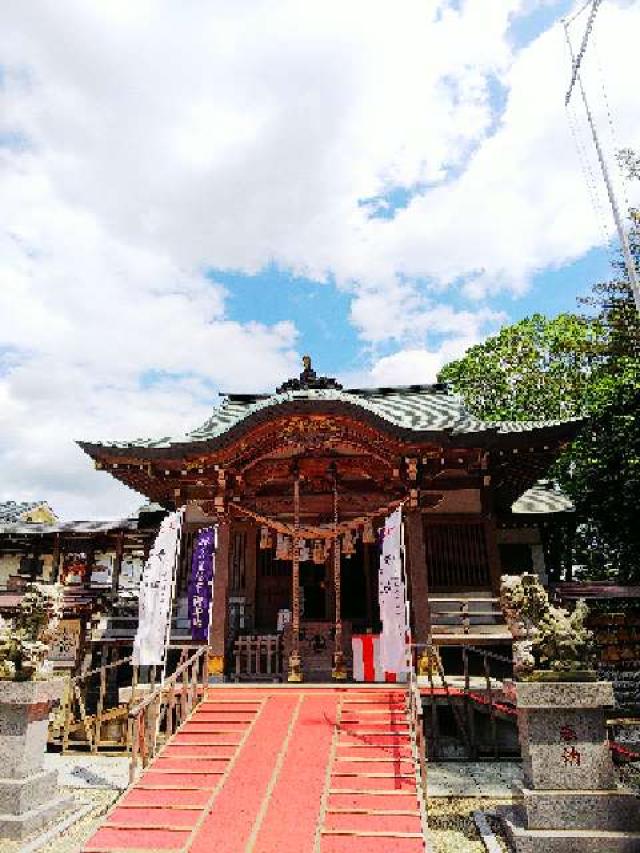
{"type": "Point", "coordinates": [462, 711]}
{"type": "Point", "coordinates": [171, 703]}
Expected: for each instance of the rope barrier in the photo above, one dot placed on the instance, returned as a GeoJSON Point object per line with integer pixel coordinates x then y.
{"type": "Point", "coordinates": [618, 749]}
{"type": "Point", "coordinates": [317, 532]}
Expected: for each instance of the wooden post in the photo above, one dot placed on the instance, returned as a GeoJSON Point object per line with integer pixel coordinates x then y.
{"type": "Point", "coordinates": [104, 660]}
{"type": "Point", "coordinates": [417, 572]}
{"type": "Point", "coordinates": [220, 610]}
{"type": "Point", "coordinates": [493, 554]}
{"type": "Point", "coordinates": [55, 560]}
{"type": "Point", "coordinates": [338, 671]}
{"type": "Point", "coordinates": [117, 568]}
{"type": "Point", "coordinates": [251, 568]}
{"type": "Point", "coordinates": [492, 710]}
{"type": "Point", "coordinates": [366, 560]}
{"type": "Point", "coordinates": [295, 664]}
{"type": "Point", "coordinates": [570, 533]}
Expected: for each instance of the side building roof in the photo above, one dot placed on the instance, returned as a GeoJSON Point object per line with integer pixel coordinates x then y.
{"type": "Point", "coordinates": [25, 511]}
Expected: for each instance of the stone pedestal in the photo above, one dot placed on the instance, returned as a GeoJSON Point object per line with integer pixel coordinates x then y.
{"type": "Point", "coordinates": [28, 794]}
{"type": "Point", "coordinates": [570, 799]}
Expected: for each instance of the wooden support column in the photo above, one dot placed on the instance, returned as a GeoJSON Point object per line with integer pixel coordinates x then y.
{"type": "Point", "coordinates": [493, 554]}
{"type": "Point", "coordinates": [251, 570]}
{"type": "Point", "coordinates": [55, 560]}
{"type": "Point", "coordinates": [295, 664]}
{"type": "Point", "coordinates": [417, 575]}
{"type": "Point", "coordinates": [90, 563]}
{"type": "Point", "coordinates": [117, 568]}
{"type": "Point", "coordinates": [220, 610]}
{"type": "Point", "coordinates": [570, 534]}
{"type": "Point", "coordinates": [366, 561]}
{"type": "Point", "coordinates": [490, 534]}
{"type": "Point", "coordinates": [338, 671]}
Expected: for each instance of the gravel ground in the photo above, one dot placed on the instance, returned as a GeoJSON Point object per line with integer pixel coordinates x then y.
{"type": "Point", "coordinates": [73, 838]}
{"type": "Point", "coordinates": [452, 828]}
{"type": "Point", "coordinates": [451, 825]}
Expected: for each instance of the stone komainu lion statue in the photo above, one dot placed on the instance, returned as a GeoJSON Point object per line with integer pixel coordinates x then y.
{"type": "Point", "coordinates": [545, 637]}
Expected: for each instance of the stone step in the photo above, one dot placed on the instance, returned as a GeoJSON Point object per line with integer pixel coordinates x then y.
{"type": "Point", "coordinates": [524, 840]}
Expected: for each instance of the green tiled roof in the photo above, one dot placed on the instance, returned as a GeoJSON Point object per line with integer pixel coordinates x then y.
{"type": "Point", "coordinates": [543, 497]}
{"type": "Point", "coordinates": [14, 511]}
{"type": "Point", "coordinates": [418, 408]}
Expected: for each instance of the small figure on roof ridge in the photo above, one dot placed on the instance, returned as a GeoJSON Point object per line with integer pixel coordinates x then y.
{"type": "Point", "coordinates": [308, 379]}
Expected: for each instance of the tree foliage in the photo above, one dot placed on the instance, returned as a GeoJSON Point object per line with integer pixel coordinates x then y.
{"type": "Point", "coordinates": [536, 369]}
{"type": "Point", "coordinates": [584, 364]}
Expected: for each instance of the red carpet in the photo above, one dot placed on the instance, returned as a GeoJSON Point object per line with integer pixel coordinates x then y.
{"type": "Point", "coordinates": [277, 770]}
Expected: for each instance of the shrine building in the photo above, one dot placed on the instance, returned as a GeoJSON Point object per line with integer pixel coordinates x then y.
{"type": "Point", "coordinates": [299, 481]}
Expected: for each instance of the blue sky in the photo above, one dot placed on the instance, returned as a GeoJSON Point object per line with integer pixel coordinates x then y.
{"type": "Point", "coordinates": [197, 195]}
{"type": "Point", "coordinates": [320, 311]}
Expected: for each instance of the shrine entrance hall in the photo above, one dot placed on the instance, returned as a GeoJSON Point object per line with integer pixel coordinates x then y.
{"type": "Point", "coordinates": [297, 485]}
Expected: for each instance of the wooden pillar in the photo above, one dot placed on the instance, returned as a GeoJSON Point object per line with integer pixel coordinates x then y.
{"type": "Point", "coordinates": [55, 560]}
{"type": "Point", "coordinates": [251, 569]}
{"type": "Point", "coordinates": [220, 610]}
{"type": "Point", "coordinates": [295, 664]}
{"type": "Point", "coordinates": [90, 562]}
{"type": "Point", "coordinates": [570, 533]}
{"type": "Point", "coordinates": [366, 563]}
{"type": "Point", "coordinates": [417, 576]}
{"type": "Point", "coordinates": [33, 572]}
{"type": "Point", "coordinates": [493, 554]}
{"type": "Point", "coordinates": [338, 671]}
{"type": "Point", "coordinates": [117, 567]}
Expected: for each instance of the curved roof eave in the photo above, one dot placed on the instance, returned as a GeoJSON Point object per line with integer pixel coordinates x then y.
{"type": "Point", "coordinates": [463, 431]}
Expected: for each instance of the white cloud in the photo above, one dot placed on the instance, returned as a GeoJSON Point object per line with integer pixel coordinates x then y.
{"type": "Point", "coordinates": [142, 143]}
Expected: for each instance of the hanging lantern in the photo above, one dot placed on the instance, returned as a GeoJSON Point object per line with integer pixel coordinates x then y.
{"type": "Point", "coordinates": [368, 533]}
{"type": "Point", "coordinates": [281, 547]}
{"type": "Point", "coordinates": [305, 551]}
{"type": "Point", "coordinates": [348, 545]}
{"type": "Point", "coordinates": [318, 552]}
{"type": "Point", "coordinates": [266, 541]}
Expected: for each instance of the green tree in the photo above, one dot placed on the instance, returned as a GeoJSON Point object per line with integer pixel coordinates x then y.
{"type": "Point", "coordinates": [576, 365]}
{"type": "Point", "coordinates": [536, 369]}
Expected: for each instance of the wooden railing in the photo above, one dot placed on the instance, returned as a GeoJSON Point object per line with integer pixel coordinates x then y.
{"type": "Point", "coordinates": [465, 693]}
{"type": "Point", "coordinates": [157, 717]}
{"type": "Point", "coordinates": [466, 615]}
{"type": "Point", "coordinates": [92, 713]}
{"type": "Point", "coordinates": [257, 657]}
{"type": "Point", "coordinates": [416, 725]}
{"type": "Point", "coordinates": [74, 724]}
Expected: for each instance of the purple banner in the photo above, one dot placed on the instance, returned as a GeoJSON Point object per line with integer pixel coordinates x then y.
{"type": "Point", "coordinates": [202, 571]}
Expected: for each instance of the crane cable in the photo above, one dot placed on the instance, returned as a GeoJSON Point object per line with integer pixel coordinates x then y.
{"type": "Point", "coordinates": [626, 251]}
{"type": "Point", "coordinates": [577, 62]}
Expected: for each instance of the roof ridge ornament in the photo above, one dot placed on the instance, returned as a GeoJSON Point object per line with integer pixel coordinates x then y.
{"type": "Point", "coordinates": [309, 380]}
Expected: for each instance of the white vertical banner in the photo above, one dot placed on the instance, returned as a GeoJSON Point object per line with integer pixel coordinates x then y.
{"type": "Point", "coordinates": [156, 593]}
{"type": "Point", "coordinates": [392, 598]}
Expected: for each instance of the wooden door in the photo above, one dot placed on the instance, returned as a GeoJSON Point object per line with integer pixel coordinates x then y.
{"type": "Point", "coordinates": [273, 589]}
{"type": "Point", "coordinates": [457, 555]}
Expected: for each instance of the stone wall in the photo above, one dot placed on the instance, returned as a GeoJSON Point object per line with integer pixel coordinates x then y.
{"type": "Point", "coordinates": [617, 637]}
